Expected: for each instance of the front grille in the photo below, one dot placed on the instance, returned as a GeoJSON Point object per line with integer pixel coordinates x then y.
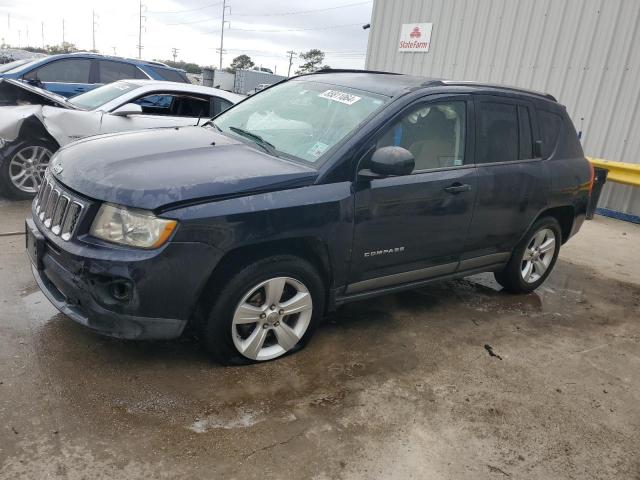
{"type": "Point", "coordinates": [58, 210]}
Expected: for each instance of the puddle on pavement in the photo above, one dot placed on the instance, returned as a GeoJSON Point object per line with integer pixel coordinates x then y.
{"type": "Point", "coordinates": [176, 383]}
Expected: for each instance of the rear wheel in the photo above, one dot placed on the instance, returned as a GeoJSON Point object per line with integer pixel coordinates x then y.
{"type": "Point", "coordinates": [22, 168]}
{"type": "Point", "coordinates": [533, 258]}
{"type": "Point", "coordinates": [267, 310]}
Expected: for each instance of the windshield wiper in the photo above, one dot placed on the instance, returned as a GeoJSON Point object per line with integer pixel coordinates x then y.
{"type": "Point", "coordinates": [266, 146]}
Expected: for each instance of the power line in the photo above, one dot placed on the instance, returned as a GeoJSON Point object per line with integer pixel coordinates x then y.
{"type": "Point", "coordinates": [192, 22]}
{"type": "Point", "coordinates": [328, 27]}
{"type": "Point", "coordinates": [187, 10]}
{"type": "Point", "coordinates": [300, 12]}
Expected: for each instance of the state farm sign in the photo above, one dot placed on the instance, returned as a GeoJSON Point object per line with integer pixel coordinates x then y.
{"type": "Point", "coordinates": [415, 37]}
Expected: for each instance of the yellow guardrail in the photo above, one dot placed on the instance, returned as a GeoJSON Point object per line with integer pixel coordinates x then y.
{"type": "Point", "coordinates": [619, 172]}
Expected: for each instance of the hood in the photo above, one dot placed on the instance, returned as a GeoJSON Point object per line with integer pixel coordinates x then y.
{"type": "Point", "coordinates": [15, 92]}
{"type": "Point", "coordinates": [155, 168]}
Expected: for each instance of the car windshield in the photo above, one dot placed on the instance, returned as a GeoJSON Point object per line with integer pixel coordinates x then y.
{"type": "Point", "coordinates": [11, 65]}
{"type": "Point", "coordinates": [300, 119]}
{"type": "Point", "coordinates": [18, 65]}
{"type": "Point", "coordinates": [97, 97]}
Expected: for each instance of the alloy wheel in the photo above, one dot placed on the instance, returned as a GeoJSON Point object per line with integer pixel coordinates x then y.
{"type": "Point", "coordinates": [271, 318]}
{"type": "Point", "coordinates": [538, 255]}
{"type": "Point", "coordinates": [27, 167]}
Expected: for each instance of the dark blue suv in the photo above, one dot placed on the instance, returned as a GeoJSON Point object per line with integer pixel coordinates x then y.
{"type": "Point", "coordinates": [75, 73]}
{"type": "Point", "coordinates": [323, 189]}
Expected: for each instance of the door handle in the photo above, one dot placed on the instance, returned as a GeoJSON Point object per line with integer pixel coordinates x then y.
{"type": "Point", "coordinates": [457, 188]}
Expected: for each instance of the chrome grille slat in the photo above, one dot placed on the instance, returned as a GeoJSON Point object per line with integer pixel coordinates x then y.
{"type": "Point", "coordinates": [45, 199]}
{"type": "Point", "coordinates": [71, 220]}
{"type": "Point", "coordinates": [59, 213]}
{"type": "Point", "coordinates": [51, 206]}
{"type": "Point", "coordinates": [58, 210]}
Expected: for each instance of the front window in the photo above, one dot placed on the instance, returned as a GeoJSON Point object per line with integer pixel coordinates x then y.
{"type": "Point", "coordinates": [97, 97]}
{"type": "Point", "coordinates": [302, 120]}
{"type": "Point", "coordinates": [63, 71]}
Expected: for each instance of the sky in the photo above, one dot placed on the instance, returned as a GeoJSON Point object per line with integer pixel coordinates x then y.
{"type": "Point", "coordinates": [265, 30]}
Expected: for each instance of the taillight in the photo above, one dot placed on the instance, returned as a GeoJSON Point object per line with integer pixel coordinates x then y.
{"type": "Point", "coordinates": [592, 177]}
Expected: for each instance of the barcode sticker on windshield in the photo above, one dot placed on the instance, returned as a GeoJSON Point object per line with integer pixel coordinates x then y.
{"type": "Point", "coordinates": [341, 97]}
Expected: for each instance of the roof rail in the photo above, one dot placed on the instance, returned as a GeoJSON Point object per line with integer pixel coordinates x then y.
{"type": "Point", "coordinates": [352, 70]}
{"type": "Point", "coordinates": [548, 96]}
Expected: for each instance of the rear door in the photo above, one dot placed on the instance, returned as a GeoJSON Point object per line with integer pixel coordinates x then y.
{"type": "Point", "coordinates": [410, 228]}
{"type": "Point", "coordinates": [512, 183]}
{"type": "Point", "coordinates": [67, 77]}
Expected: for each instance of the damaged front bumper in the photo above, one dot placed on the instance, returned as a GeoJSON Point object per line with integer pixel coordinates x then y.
{"type": "Point", "coordinates": [119, 293]}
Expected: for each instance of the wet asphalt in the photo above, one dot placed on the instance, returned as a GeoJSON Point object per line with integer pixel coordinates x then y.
{"type": "Point", "coordinates": [454, 380]}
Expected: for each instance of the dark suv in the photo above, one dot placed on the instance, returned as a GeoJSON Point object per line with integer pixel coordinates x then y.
{"type": "Point", "coordinates": [323, 189]}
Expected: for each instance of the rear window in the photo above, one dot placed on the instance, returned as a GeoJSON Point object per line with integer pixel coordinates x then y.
{"type": "Point", "coordinates": [170, 75]}
{"type": "Point", "coordinates": [550, 127]}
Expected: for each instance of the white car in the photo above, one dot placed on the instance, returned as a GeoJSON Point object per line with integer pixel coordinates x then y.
{"type": "Point", "coordinates": [35, 123]}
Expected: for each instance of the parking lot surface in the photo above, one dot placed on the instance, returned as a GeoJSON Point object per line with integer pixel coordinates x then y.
{"type": "Point", "coordinates": [453, 380]}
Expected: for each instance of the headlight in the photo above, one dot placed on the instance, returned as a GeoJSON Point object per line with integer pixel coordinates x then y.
{"type": "Point", "coordinates": [135, 228]}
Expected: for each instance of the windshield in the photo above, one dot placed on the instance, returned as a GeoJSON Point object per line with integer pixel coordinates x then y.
{"type": "Point", "coordinates": [97, 97]}
{"type": "Point", "coordinates": [302, 120]}
{"type": "Point", "coordinates": [18, 65]}
{"type": "Point", "coordinates": [11, 65]}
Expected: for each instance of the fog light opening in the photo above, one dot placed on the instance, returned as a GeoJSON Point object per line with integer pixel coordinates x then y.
{"type": "Point", "coordinates": [120, 290]}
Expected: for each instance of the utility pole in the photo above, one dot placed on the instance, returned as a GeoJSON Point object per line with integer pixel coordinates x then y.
{"type": "Point", "coordinates": [27, 43]}
{"type": "Point", "coordinates": [175, 53]}
{"type": "Point", "coordinates": [42, 31]}
{"type": "Point", "coordinates": [291, 54]}
{"type": "Point", "coordinates": [114, 51]}
{"type": "Point", "coordinates": [94, 23]}
{"type": "Point", "coordinates": [140, 30]}
{"type": "Point", "coordinates": [224, 11]}
{"type": "Point", "coordinates": [63, 32]}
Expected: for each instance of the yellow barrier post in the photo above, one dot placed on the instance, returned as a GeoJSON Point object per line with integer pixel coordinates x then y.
{"type": "Point", "coordinates": [619, 172]}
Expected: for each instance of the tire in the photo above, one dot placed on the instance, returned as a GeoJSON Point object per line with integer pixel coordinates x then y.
{"type": "Point", "coordinates": [524, 272]}
{"type": "Point", "coordinates": [230, 333]}
{"type": "Point", "coordinates": [31, 156]}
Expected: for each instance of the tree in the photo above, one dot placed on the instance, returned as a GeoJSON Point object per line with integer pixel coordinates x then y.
{"type": "Point", "coordinates": [186, 66]}
{"type": "Point", "coordinates": [313, 59]}
{"type": "Point", "coordinates": [65, 47]}
{"type": "Point", "coordinates": [241, 62]}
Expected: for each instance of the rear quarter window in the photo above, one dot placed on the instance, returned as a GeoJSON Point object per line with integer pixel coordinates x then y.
{"type": "Point", "coordinates": [170, 75]}
{"type": "Point", "coordinates": [550, 130]}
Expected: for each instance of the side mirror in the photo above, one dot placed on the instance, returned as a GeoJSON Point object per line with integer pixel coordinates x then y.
{"type": "Point", "coordinates": [34, 82]}
{"type": "Point", "coordinates": [127, 109]}
{"type": "Point", "coordinates": [537, 149]}
{"type": "Point", "coordinates": [389, 161]}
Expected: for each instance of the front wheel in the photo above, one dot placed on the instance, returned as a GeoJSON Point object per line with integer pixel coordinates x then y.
{"type": "Point", "coordinates": [533, 258]}
{"type": "Point", "coordinates": [268, 309]}
{"type": "Point", "coordinates": [22, 168]}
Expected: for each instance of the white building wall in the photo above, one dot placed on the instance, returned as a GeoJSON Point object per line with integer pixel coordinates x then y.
{"type": "Point", "coordinates": [584, 52]}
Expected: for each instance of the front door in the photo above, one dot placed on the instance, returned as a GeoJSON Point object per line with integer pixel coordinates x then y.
{"type": "Point", "coordinates": [410, 228]}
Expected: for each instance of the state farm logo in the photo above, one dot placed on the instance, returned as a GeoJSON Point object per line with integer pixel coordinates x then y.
{"type": "Point", "coordinates": [415, 37]}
